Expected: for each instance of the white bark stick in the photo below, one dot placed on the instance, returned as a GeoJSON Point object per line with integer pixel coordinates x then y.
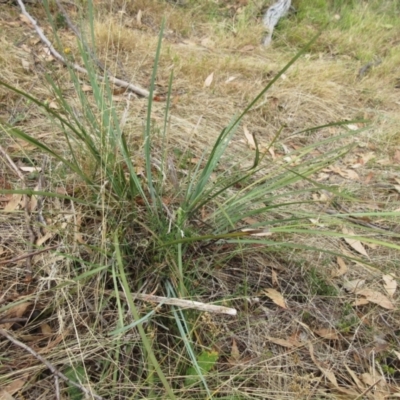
{"type": "Point", "coordinates": [196, 305]}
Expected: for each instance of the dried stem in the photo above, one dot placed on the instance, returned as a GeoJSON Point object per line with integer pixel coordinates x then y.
{"type": "Point", "coordinates": [48, 365]}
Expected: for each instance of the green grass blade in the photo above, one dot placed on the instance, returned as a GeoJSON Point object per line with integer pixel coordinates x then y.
{"type": "Point", "coordinates": [184, 332]}
{"type": "Point", "coordinates": [132, 308]}
{"type": "Point", "coordinates": [148, 128]}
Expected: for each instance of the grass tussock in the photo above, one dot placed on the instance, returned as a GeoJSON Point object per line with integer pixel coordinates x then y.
{"type": "Point", "coordinates": [107, 198]}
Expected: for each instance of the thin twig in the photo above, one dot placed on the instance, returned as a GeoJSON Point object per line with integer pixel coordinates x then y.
{"type": "Point", "coordinates": [12, 164]}
{"type": "Point", "coordinates": [49, 365]}
{"type": "Point", "coordinates": [57, 385]}
{"type": "Point", "coordinates": [367, 390]}
{"type": "Point", "coordinates": [59, 57]}
{"type": "Point", "coordinates": [40, 188]}
{"type": "Point", "coordinates": [364, 69]}
{"type": "Point", "coordinates": [32, 238]}
{"type": "Point", "coordinates": [12, 320]}
{"type": "Point", "coordinates": [13, 260]}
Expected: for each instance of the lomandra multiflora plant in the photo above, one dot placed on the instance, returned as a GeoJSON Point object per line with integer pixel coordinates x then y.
{"type": "Point", "coordinates": [145, 236]}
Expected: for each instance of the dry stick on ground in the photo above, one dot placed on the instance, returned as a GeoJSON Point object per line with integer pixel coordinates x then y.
{"type": "Point", "coordinates": [196, 305]}
{"type": "Point", "coordinates": [32, 239]}
{"type": "Point", "coordinates": [49, 365]}
{"type": "Point", "coordinates": [59, 57]}
{"type": "Point", "coordinates": [57, 385]}
{"type": "Point", "coordinates": [187, 304]}
{"type": "Point", "coordinates": [368, 390]}
{"type": "Point", "coordinates": [12, 164]}
{"type": "Point", "coordinates": [13, 260]}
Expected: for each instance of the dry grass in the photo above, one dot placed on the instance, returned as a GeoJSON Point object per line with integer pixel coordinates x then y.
{"type": "Point", "coordinates": [325, 338]}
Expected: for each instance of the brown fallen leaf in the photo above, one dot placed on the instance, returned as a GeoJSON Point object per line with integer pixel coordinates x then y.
{"type": "Point", "coordinates": [139, 17]}
{"type": "Point", "coordinates": [53, 343]}
{"type": "Point", "coordinates": [382, 391]}
{"type": "Point", "coordinates": [10, 23]}
{"type": "Point", "coordinates": [272, 152]}
{"type": "Point", "coordinates": [13, 387]}
{"type": "Point", "coordinates": [368, 178]}
{"type": "Point", "coordinates": [371, 380]}
{"type": "Point", "coordinates": [378, 347]}
{"type": "Point", "coordinates": [235, 354]}
{"type": "Point", "coordinates": [351, 174]}
{"type": "Point", "coordinates": [209, 79]}
{"type": "Point", "coordinates": [390, 284]}
{"type": "Point", "coordinates": [15, 312]}
{"type": "Point", "coordinates": [190, 43]}
{"type": "Point", "coordinates": [26, 65]}
{"type": "Point", "coordinates": [250, 221]}
{"type": "Point", "coordinates": [350, 394]}
{"type": "Point", "coordinates": [355, 378]}
{"type": "Point", "coordinates": [283, 342]}
{"type": "Point", "coordinates": [250, 138]}
{"type": "Point", "coordinates": [246, 48]}
{"type": "Point", "coordinates": [118, 98]}
{"type": "Point", "coordinates": [354, 285]}
{"type": "Point", "coordinates": [360, 302]}
{"type": "Point", "coordinates": [396, 157]}
{"type": "Point", "coordinates": [376, 298]}
{"type": "Point", "coordinates": [328, 374]}
{"type": "Point", "coordinates": [33, 203]}
{"type": "Point", "coordinates": [327, 333]}
{"type": "Point", "coordinates": [274, 278]}
{"type": "Point", "coordinates": [276, 297]}
{"type": "Point", "coordinates": [46, 329]}
{"type": "Point", "coordinates": [13, 203]}
{"type": "Point", "coordinates": [354, 243]}
{"type": "Point", "coordinates": [364, 158]}
{"type": "Point", "coordinates": [25, 19]}
{"type": "Point", "coordinates": [230, 79]}
{"type": "Point", "coordinates": [342, 268]}
{"type": "Point", "coordinates": [88, 88]}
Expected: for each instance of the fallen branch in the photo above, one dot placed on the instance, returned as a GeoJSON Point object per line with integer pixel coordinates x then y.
{"type": "Point", "coordinates": [34, 253]}
{"type": "Point", "coordinates": [196, 305]}
{"type": "Point", "coordinates": [59, 57]}
{"type": "Point", "coordinates": [12, 165]}
{"type": "Point", "coordinates": [49, 365]}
